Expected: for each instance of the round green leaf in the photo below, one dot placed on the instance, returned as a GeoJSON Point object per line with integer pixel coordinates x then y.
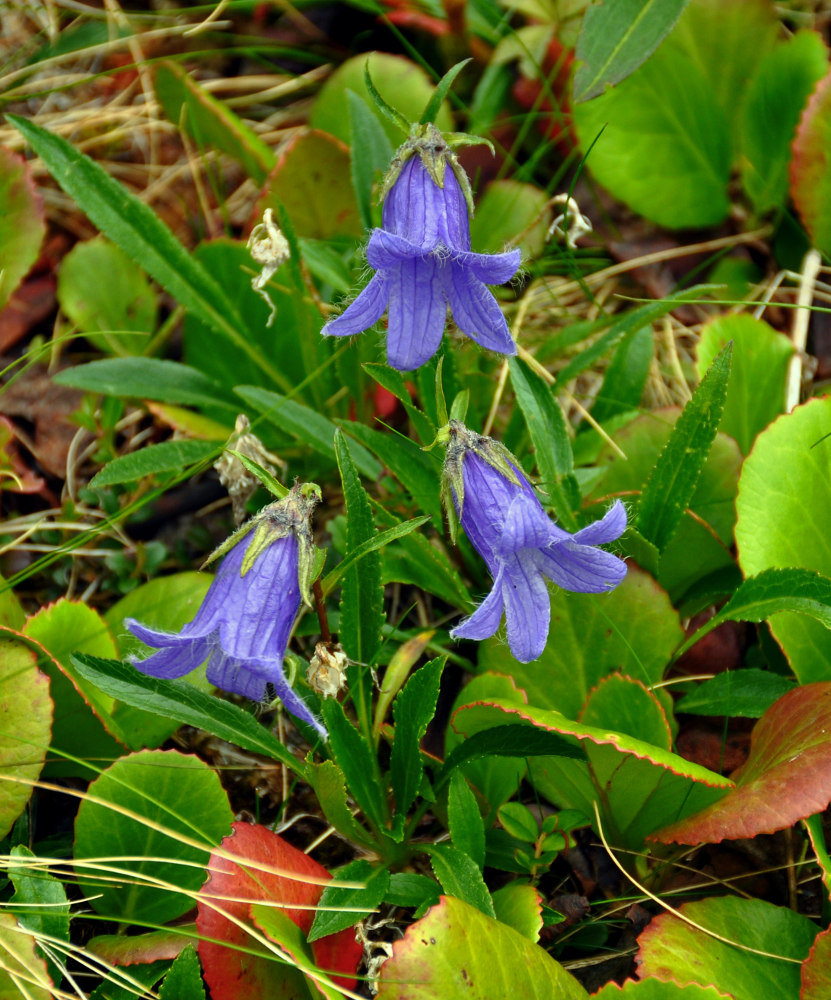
{"type": "Point", "coordinates": [519, 906]}
{"type": "Point", "coordinates": [671, 948]}
{"type": "Point", "coordinates": [25, 725]}
{"type": "Point", "coordinates": [782, 507]}
{"type": "Point", "coordinates": [626, 706]}
{"type": "Point", "coordinates": [312, 180]}
{"type": "Point", "coordinates": [665, 143]}
{"type": "Point", "coordinates": [84, 728]}
{"type": "Point", "coordinates": [810, 178]}
{"type": "Point", "coordinates": [756, 390]}
{"type": "Point", "coordinates": [401, 83]}
{"type": "Point", "coordinates": [22, 225]}
{"type": "Point", "coordinates": [634, 629]}
{"type": "Point", "coordinates": [106, 310]}
{"type": "Point", "coordinates": [637, 785]}
{"type": "Point", "coordinates": [455, 950]}
{"type": "Point", "coordinates": [150, 805]}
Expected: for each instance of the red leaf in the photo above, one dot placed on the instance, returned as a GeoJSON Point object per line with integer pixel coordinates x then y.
{"type": "Point", "coordinates": [816, 969]}
{"type": "Point", "coordinates": [787, 776]}
{"type": "Point", "coordinates": [233, 974]}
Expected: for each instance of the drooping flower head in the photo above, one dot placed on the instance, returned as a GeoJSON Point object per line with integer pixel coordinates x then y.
{"type": "Point", "coordinates": [243, 626]}
{"type": "Point", "coordinates": [506, 524]}
{"type": "Point", "coordinates": [423, 262]}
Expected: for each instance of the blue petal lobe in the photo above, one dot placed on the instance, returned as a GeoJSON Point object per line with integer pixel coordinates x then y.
{"type": "Point", "coordinates": [417, 314]}
{"type": "Point", "coordinates": [386, 250]}
{"type": "Point", "coordinates": [607, 529]}
{"type": "Point", "coordinates": [492, 268]}
{"type": "Point", "coordinates": [582, 568]}
{"type": "Point", "coordinates": [527, 606]}
{"type": "Point", "coordinates": [361, 314]}
{"type": "Point", "coordinates": [526, 525]}
{"type": "Point", "coordinates": [173, 659]}
{"type": "Point", "coordinates": [486, 618]}
{"type": "Point", "coordinates": [475, 310]}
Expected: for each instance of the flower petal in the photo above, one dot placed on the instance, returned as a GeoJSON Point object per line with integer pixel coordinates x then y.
{"type": "Point", "coordinates": [295, 704]}
{"type": "Point", "coordinates": [418, 312]}
{"type": "Point", "coordinates": [242, 677]}
{"type": "Point", "coordinates": [386, 250]}
{"type": "Point", "coordinates": [486, 618]}
{"type": "Point", "coordinates": [260, 616]}
{"type": "Point", "coordinates": [492, 268]}
{"type": "Point", "coordinates": [610, 527]}
{"type": "Point", "coordinates": [361, 314]}
{"type": "Point", "coordinates": [414, 206]}
{"type": "Point", "coordinates": [177, 655]}
{"type": "Point", "coordinates": [526, 525]}
{"type": "Point", "coordinates": [527, 606]}
{"type": "Point", "coordinates": [475, 310]}
{"type": "Point", "coordinates": [582, 568]}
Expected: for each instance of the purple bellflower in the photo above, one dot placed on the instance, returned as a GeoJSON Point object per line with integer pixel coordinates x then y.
{"type": "Point", "coordinates": [505, 522]}
{"type": "Point", "coordinates": [243, 626]}
{"type": "Point", "coordinates": [423, 261]}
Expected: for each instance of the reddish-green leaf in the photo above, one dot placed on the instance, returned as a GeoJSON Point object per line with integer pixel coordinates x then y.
{"type": "Point", "coordinates": [673, 949]}
{"type": "Point", "coordinates": [787, 776]}
{"type": "Point", "coordinates": [457, 951]}
{"type": "Point", "coordinates": [810, 177]}
{"type": "Point", "coordinates": [816, 969]}
{"type": "Point", "coordinates": [26, 724]}
{"type": "Point", "coordinates": [313, 181]}
{"type": "Point", "coordinates": [269, 870]}
{"type": "Point", "coordinates": [22, 225]}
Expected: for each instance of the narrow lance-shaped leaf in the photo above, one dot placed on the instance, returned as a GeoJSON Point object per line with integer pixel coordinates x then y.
{"type": "Point", "coordinates": [774, 590]}
{"type": "Point", "coordinates": [181, 701]}
{"type": "Point", "coordinates": [671, 484]}
{"type": "Point", "coordinates": [131, 224]}
{"type": "Point", "coordinates": [412, 710]}
{"type": "Point", "coordinates": [355, 758]}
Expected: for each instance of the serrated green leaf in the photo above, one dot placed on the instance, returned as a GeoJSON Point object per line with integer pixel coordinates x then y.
{"type": "Point", "coordinates": [467, 829]}
{"type": "Point", "coordinates": [184, 978]}
{"type": "Point", "coordinates": [307, 425]}
{"type": "Point", "coordinates": [616, 38]}
{"type": "Point", "coordinates": [508, 741]}
{"type": "Point", "coordinates": [328, 919]}
{"type": "Point", "coordinates": [414, 469]}
{"type": "Point", "coordinates": [39, 902]}
{"type": "Point", "coordinates": [169, 456]}
{"type": "Point", "coordinates": [362, 595]}
{"type": "Point", "coordinates": [180, 701]}
{"type": "Point", "coordinates": [329, 783]}
{"type": "Point", "coordinates": [133, 226]}
{"type": "Point", "coordinates": [625, 378]}
{"type": "Point", "coordinates": [412, 711]}
{"type": "Point", "coordinates": [355, 758]}
{"type": "Point", "coordinates": [671, 484]}
{"type": "Point", "coordinates": [799, 590]}
{"type": "Point", "coordinates": [460, 877]}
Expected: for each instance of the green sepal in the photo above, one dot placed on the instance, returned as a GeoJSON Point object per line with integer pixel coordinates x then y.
{"type": "Point", "coordinates": [386, 110]}
{"type": "Point", "coordinates": [274, 486]}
